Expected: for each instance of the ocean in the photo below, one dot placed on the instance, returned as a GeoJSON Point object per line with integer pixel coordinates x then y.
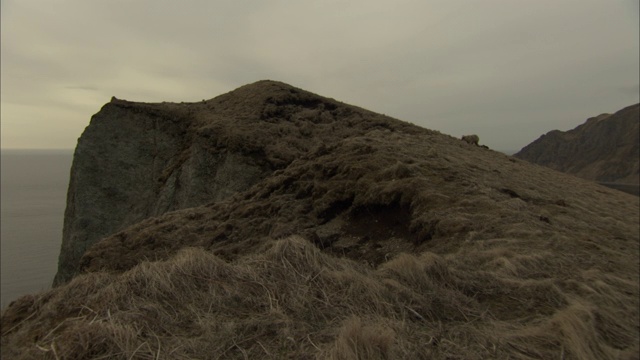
{"type": "Point", "coordinates": [32, 198]}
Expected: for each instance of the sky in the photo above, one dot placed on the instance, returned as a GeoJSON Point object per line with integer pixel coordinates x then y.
{"type": "Point", "coordinates": [507, 70]}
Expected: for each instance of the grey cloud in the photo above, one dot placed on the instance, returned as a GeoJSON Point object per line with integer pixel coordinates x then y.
{"type": "Point", "coordinates": [630, 90]}
{"type": "Point", "coordinates": [80, 87]}
{"type": "Point", "coordinates": [499, 68]}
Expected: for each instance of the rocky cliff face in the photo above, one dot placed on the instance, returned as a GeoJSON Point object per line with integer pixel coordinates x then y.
{"type": "Point", "coordinates": [136, 161]}
{"type": "Point", "coordinates": [604, 149]}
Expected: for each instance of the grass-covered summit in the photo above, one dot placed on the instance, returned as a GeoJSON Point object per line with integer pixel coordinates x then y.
{"type": "Point", "coordinates": [270, 222]}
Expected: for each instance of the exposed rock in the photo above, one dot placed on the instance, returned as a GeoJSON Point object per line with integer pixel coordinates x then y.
{"type": "Point", "coordinates": [138, 160]}
{"type": "Point", "coordinates": [471, 139]}
{"type": "Point", "coordinates": [604, 149]}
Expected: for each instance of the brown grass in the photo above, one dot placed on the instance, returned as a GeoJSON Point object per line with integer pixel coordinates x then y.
{"type": "Point", "coordinates": [370, 238]}
{"type": "Point", "coordinates": [293, 301]}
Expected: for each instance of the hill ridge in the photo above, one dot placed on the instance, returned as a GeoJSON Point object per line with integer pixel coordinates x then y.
{"type": "Point", "coordinates": [604, 148]}
{"type": "Point", "coordinates": [275, 223]}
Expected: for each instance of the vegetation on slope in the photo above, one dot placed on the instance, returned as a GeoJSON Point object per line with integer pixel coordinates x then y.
{"type": "Point", "coordinates": [293, 301]}
{"type": "Point", "coordinates": [387, 241]}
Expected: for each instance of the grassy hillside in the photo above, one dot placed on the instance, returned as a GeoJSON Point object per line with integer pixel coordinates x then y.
{"type": "Point", "coordinates": [293, 301]}
{"type": "Point", "coordinates": [384, 242]}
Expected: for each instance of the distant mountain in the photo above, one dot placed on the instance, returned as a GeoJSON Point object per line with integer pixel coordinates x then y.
{"type": "Point", "coordinates": [604, 149]}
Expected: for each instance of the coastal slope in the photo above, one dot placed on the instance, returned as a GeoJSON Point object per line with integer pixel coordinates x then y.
{"type": "Point", "coordinates": [338, 233]}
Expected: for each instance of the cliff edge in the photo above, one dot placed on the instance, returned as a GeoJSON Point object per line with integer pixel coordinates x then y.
{"type": "Point", "coordinates": [139, 160]}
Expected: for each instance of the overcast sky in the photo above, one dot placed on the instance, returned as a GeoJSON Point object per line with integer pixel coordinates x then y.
{"type": "Point", "coordinates": [507, 70]}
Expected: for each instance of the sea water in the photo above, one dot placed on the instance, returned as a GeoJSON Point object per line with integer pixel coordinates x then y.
{"type": "Point", "coordinates": [33, 199]}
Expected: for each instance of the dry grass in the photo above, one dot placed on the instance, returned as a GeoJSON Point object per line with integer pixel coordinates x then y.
{"type": "Point", "coordinates": [407, 244]}
{"type": "Point", "coordinates": [293, 301]}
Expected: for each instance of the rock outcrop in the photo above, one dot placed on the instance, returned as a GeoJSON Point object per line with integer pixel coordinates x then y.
{"type": "Point", "coordinates": [270, 222]}
{"type": "Point", "coordinates": [606, 148]}
{"type": "Point", "coordinates": [137, 160]}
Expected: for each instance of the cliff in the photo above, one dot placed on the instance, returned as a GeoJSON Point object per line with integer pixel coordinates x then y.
{"type": "Point", "coordinates": [271, 222]}
{"type": "Point", "coordinates": [604, 149]}
{"type": "Point", "coordinates": [136, 161]}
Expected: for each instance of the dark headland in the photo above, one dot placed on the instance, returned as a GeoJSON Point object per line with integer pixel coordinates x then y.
{"type": "Point", "coordinates": [270, 222]}
{"type": "Point", "coordinates": [605, 149]}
